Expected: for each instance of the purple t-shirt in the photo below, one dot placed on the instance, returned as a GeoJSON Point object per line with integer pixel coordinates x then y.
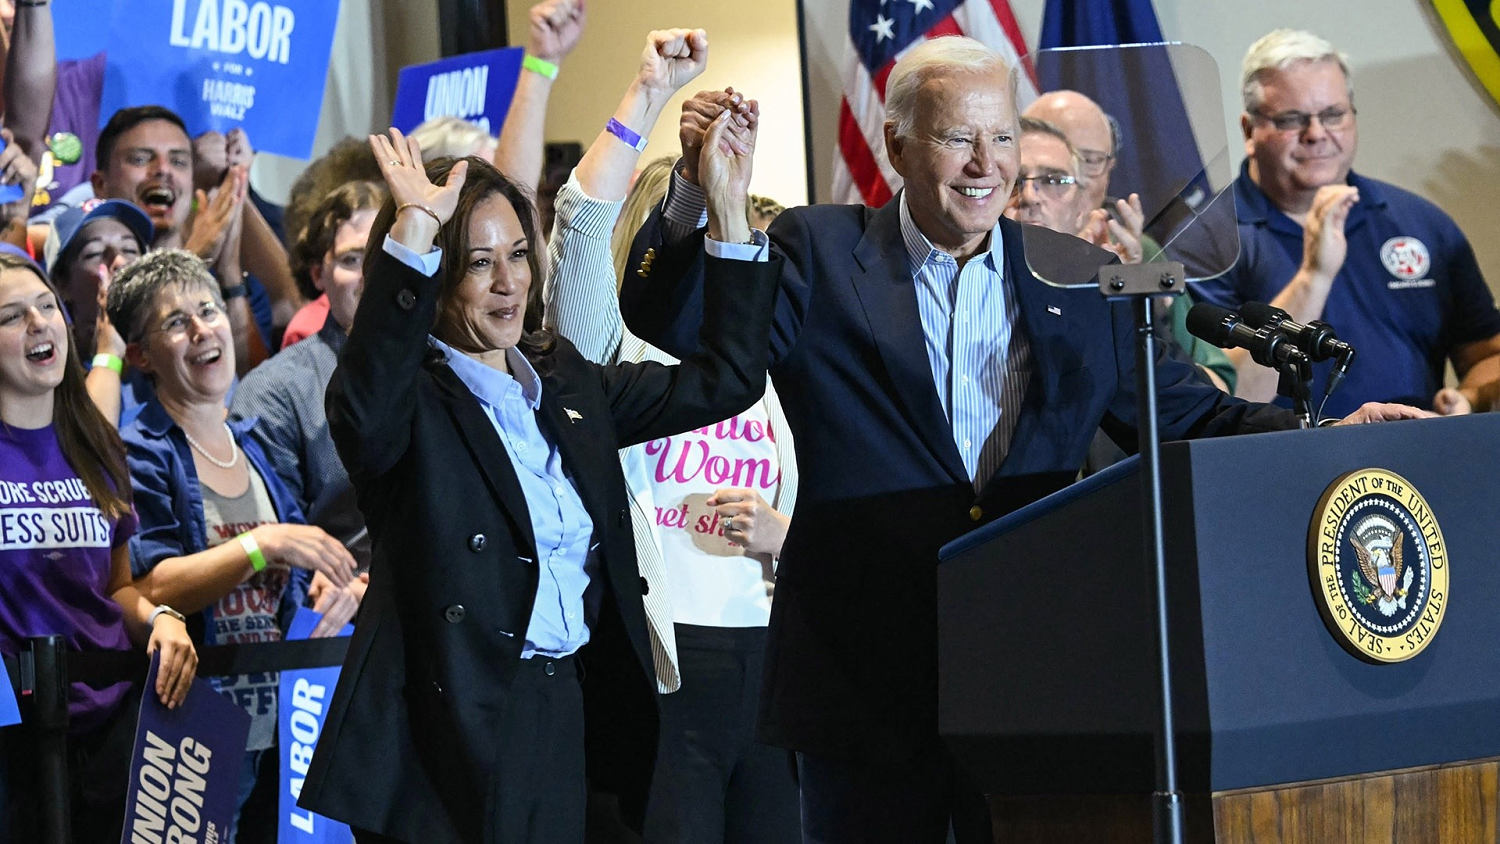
{"type": "Point", "coordinates": [73, 131]}
{"type": "Point", "coordinates": [55, 561]}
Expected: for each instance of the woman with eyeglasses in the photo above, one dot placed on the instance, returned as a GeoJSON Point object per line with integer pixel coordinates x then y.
{"type": "Point", "coordinates": [65, 520]}
{"type": "Point", "coordinates": [221, 538]}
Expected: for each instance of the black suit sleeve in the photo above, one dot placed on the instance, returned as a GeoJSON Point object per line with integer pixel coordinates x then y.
{"type": "Point", "coordinates": [726, 372]}
{"type": "Point", "coordinates": [664, 305]}
{"type": "Point", "coordinates": [369, 397]}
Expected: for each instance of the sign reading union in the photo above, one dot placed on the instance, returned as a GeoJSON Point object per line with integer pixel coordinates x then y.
{"type": "Point", "coordinates": [1378, 566]}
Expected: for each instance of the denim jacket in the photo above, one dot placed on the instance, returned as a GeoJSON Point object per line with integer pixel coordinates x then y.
{"type": "Point", "coordinates": [169, 500]}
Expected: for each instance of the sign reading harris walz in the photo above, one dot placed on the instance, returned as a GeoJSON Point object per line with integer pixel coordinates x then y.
{"type": "Point", "coordinates": [225, 63]}
{"type": "Point", "coordinates": [1378, 566]}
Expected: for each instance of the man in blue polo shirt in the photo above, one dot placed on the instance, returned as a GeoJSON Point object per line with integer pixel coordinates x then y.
{"type": "Point", "coordinates": [1389, 270]}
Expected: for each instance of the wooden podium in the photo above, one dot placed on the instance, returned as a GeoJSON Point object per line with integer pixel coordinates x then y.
{"type": "Point", "coordinates": [1048, 691]}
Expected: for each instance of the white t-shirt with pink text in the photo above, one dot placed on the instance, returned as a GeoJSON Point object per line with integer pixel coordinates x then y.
{"type": "Point", "coordinates": [711, 580]}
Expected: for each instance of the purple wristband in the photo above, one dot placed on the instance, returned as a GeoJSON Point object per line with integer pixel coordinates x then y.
{"type": "Point", "coordinates": [626, 134]}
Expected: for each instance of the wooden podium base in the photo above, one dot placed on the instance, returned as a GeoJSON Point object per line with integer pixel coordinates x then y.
{"type": "Point", "coordinates": [1442, 804]}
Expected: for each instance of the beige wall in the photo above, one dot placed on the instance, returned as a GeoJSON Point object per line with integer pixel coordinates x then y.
{"type": "Point", "coordinates": [1425, 123]}
{"type": "Point", "coordinates": [755, 50]}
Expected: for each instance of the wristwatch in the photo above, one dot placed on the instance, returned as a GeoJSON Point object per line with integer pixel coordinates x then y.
{"type": "Point", "coordinates": [163, 609]}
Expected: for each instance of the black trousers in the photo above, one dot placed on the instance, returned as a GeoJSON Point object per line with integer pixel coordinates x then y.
{"type": "Point", "coordinates": [713, 782]}
{"type": "Point", "coordinates": [536, 794]}
{"type": "Point", "coordinates": [908, 801]}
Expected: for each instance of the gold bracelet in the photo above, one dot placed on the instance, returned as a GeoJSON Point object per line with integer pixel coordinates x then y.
{"type": "Point", "coordinates": [420, 207]}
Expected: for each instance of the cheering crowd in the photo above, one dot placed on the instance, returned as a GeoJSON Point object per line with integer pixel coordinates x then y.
{"type": "Point", "coordinates": [540, 466]}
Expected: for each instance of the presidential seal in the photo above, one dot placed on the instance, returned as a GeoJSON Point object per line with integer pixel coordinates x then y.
{"type": "Point", "coordinates": [1378, 566]}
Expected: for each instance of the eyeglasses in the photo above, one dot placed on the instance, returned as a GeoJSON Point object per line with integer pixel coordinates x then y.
{"type": "Point", "coordinates": [1049, 184]}
{"type": "Point", "coordinates": [1288, 121]}
{"type": "Point", "coordinates": [177, 323]}
{"type": "Point", "coordinates": [1094, 163]}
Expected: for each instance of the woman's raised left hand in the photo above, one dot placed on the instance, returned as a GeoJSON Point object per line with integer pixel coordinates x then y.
{"type": "Point", "coordinates": [426, 205]}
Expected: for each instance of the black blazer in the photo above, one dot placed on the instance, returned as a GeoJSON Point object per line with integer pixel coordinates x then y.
{"type": "Point", "coordinates": [851, 654]}
{"type": "Point", "coordinates": [409, 742]}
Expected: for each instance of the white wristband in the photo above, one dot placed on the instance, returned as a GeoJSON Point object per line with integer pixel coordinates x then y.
{"type": "Point", "coordinates": [163, 609]}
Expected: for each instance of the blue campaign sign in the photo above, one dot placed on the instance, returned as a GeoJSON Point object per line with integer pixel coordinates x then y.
{"type": "Point", "coordinates": [185, 769]}
{"type": "Point", "coordinates": [10, 712]}
{"type": "Point", "coordinates": [303, 705]}
{"type": "Point", "coordinates": [474, 86]}
{"type": "Point", "coordinates": [225, 63]}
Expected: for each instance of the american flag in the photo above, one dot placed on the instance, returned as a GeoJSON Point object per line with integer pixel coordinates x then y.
{"type": "Point", "coordinates": [879, 32]}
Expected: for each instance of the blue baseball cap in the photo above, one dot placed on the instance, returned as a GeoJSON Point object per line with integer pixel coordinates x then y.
{"type": "Point", "coordinates": [69, 223]}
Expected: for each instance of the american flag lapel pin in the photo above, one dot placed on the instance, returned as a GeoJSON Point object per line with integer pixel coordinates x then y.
{"type": "Point", "coordinates": [573, 415]}
{"type": "Point", "coordinates": [1054, 310]}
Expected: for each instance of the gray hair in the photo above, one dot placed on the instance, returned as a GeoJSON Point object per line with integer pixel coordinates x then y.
{"type": "Point", "coordinates": [1280, 49]}
{"type": "Point", "coordinates": [1032, 125]}
{"type": "Point", "coordinates": [133, 291]}
{"type": "Point", "coordinates": [452, 136]}
{"type": "Point", "coordinates": [936, 57]}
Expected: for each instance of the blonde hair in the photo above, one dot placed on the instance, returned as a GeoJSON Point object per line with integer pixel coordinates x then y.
{"type": "Point", "coordinates": [942, 56]}
{"type": "Point", "coordinates": [1280, 49]}
{"type": "Point", "coordinates": [443, 137]}
{"type": "Point", "coordinates": [649, 188]}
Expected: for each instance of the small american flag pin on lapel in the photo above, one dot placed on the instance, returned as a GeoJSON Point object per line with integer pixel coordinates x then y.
{"type": "Point", "coordinates": [1054, 310]}
{"type": "Point", "coordinates": [573, 415]}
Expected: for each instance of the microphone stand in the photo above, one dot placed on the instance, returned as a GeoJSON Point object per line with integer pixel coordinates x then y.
{"type": "Point", "coordinates": [1296, 384]}
{"type": "Point", "coordinates": [1139, 284]}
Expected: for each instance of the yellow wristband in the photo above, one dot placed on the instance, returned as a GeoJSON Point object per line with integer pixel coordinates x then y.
{"type": "Point", "coordinates": [541, 66]}
{"type": "Point", "coordinates": [109, 361]}
{"type": "Point", "coordinates": [252, 550]}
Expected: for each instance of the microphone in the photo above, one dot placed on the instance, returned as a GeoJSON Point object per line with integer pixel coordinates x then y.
{"type": "Point", "coordinates": [1224, 328]}
{"type": "Point", "coordinates": [1316, 339]}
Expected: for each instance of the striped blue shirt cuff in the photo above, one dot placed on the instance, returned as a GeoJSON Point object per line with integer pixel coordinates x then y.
{"type": "Point", "coordinates": [685, 210]}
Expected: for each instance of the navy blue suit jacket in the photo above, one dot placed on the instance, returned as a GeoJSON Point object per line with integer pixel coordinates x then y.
{"type": "Point", "coordinates": [851, 662]}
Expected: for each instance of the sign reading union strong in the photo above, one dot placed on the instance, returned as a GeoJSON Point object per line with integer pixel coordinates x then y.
{"type": "Point", "coordinates": [1474, 26]}
{"type": "Point", "coordinates": [1378, 566]}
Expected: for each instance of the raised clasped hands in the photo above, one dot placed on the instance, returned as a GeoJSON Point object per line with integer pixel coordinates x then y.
{"type": "Point", "coordinates": [724, 168]}
{"type": "Point", "coordinates": [698, 111]}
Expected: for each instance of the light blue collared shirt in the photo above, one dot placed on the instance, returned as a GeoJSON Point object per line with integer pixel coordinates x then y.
{"type": "Point", "coordinates": [567, 565]}
{"type": "Point", "coordinates": [981, 363]}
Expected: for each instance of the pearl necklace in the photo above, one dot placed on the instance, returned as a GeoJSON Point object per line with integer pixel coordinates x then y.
{"type": "Point", "coordinates": [234, 449]}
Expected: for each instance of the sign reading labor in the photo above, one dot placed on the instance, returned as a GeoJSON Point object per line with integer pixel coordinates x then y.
{"type": "Point", "coordinates": [301, 710]}
{"type": "Point", "coordinates": [185, 769]}
{"type": "Point", "coordinates": [259, 64]}
{"type": "Point", "coordinates": [475, 86]}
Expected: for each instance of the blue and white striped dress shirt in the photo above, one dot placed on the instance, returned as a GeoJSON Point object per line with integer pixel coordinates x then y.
{"type": "Point", "coordinates": [980, 362]}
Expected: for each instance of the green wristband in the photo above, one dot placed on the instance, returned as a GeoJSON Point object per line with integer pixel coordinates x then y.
{"type": "Point", "coordinates": [109, 361]}
{"type": "Point", "coordinates": [252, 550]}
{"type": "Point", "coordinates": [542, 66]}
